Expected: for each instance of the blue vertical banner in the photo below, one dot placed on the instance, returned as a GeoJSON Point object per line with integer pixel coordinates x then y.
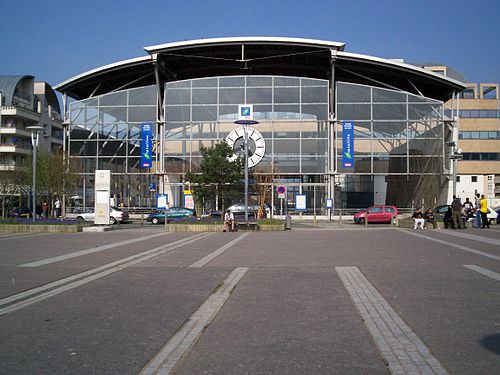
{"type": "Point", "coordinates": [347, 144]}
{"type": "Point", "coordinates": [147, 145]}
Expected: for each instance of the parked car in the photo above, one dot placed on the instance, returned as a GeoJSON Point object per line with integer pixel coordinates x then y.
{"type": "Point", "coordinates": [239, 209]}
{"type": "Point", "coordinates": [87, 214]}
{"type": "Point", "coordinates": [172, 212]}
{"type": "Point", "coordinates": [19, 212]}
{"type": "Point", "coordinates": [376, 214]}
{"type": "Point", "coordinates": [497, 210]}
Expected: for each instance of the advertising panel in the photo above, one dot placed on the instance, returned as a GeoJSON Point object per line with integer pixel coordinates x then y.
{"type": "Point", "coordinates": [347, 144]}
{"type": "Point", "coordinates": [146, 145]}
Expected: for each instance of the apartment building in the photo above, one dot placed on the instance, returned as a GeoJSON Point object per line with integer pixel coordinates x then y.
{"type": "Point", "coordinates": [476, 123]}
{"type": "Point", "coordinates": [479, 142]}
{"type": "Point", "coordinates": [25, 103]}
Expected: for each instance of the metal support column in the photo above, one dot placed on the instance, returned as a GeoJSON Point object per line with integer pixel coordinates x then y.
{"type": "Point", "coordinates": [331, 130]}
{"type": "Point", "coordinates": [160, 121]}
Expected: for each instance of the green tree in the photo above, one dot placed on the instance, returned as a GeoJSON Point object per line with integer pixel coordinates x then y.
{"type": "Point", "coordinates": [217, 176]}
{"type": "Point", "coordinates": [53, 178]}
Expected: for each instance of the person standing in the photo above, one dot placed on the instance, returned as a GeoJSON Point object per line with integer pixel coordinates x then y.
{"type": "Point", "coordinates": [456, 213]}
{"type": "Point", "coordinates": [45, 209]}
{"type": "Point", "coordinates": [57, 207]}
{"type": "Point", "coordinates": [483, 208]}
{"type": "Point", "coordinates": [477, 221]}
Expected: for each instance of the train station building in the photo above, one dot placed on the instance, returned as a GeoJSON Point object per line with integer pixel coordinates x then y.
{"type": "Point", "coordinates": [357, 129]}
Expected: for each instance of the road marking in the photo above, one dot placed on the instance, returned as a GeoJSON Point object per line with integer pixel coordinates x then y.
{"type": "Point", "coordinates": [473, 237]}
{"type": "Point", "coordinates": [60, 258]}
{"type": "Point", "coordinates": [217, 252]}
{"type": "Point", "coordinates": [484, 271]}
{"type": "Point", "coordinates": [16, 236]}
{"type": "Point", "coordinates": [169, 355]}
{"type": "Point", "coordinates": [402, 349]}
{"type": "Point", "coordinates": [18, 301]}
{"type": "Point", "coordinates": [464, 248]}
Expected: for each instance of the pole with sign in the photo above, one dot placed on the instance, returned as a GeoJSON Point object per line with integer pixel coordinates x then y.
{"type": "Point", "coordinates": [281, 190]}
{"type": "Point", "coordinates": [245, 118]}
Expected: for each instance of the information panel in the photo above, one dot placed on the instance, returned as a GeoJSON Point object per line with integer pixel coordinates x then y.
{"type": "Point", "coordinates": [300, 202]}
{"type": "Point", "coordinates": [102, 194]}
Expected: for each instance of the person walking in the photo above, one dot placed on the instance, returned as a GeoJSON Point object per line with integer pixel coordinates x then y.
{"type": "Point", "coordinates": [456, 213]}
{"type": "Point", "coordinates": [483, 208]}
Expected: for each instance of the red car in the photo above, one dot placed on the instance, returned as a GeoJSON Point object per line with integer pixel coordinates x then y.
{"type": "Point", "coordinates": [376, 214]}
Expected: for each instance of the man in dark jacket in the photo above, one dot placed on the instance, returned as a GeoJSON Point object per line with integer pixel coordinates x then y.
{"type": "Point", "coordinates": [456, 213]}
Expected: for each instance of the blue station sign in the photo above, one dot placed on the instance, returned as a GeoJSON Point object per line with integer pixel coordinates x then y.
{"type": "Point", "coordinates": [147, 145]}
{"type": "Point", "coordinates": [347, 144]}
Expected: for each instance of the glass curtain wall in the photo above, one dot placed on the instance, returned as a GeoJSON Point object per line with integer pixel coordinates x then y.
{"type": "Point", "coordinates": [105, 133]}
{"type": "Point", "coordinates": [396, 135]}
{"type": "Point", "coordinates": [292, 114]}
{"type": "Point", "coordinates": [399, 138]}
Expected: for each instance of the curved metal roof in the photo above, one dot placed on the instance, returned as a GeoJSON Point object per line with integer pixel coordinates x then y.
{"type": "Point", "coordinates": [258, 56]}
{"type": "Point", "coordinates": [8, 85]}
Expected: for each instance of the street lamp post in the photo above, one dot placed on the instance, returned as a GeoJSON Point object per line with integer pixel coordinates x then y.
{"type": "Point", "coordinates": [35, 131]}
{"type": "Point", "coordinates": [455, 155]}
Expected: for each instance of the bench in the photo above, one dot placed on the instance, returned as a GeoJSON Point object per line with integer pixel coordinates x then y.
{"type": "Point", "coordinates": [243, 225]}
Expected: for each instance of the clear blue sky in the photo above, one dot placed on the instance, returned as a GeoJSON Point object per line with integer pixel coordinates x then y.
{"type": "Point", "coordinates": [55, 40]}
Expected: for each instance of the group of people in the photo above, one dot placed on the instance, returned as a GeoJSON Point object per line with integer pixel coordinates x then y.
{"type": "Point", "coordinates": [423, 218]}
{"type": "Point", "coordinates": [457, 215]}
{"type": "Point", "coordinates": [461, 213]}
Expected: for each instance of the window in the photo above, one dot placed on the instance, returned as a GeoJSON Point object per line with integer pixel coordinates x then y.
{"type": "Point", "coordinates": [458, 178]}
{"type": "Point", "coordinates": [467, 94]}
{"type": "Point", "coordinates": [473, 178]}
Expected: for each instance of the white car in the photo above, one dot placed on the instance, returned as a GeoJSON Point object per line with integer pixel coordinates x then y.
{"type": "Point", "coordinates": [115, 215]}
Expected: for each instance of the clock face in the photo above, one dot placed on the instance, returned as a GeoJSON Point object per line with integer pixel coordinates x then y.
{"type": "Point", "coordinates": [256, 145]}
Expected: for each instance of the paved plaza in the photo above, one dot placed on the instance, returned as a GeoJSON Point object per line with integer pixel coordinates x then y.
{"type": "Point", "coordinates": [326, 300]}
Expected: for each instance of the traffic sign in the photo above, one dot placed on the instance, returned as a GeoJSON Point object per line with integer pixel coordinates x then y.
{"type": "Point", "coordinates": [281, 192]}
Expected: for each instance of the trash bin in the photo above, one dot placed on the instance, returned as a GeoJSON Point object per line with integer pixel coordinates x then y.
{"type": "Point", "coordinates": [288, 222]}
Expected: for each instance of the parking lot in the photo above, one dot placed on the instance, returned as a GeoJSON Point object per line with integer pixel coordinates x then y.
{"type": "Point", "coordinates": [319, 299]}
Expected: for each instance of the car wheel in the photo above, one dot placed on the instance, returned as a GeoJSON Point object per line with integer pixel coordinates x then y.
{"type": "Point", "coordinates": [155, 220]}
{"type": "Point", "coordinates": [79, 219]}
{"type": "Point", "coordinates": [362, 220]}
{"type": "Point", "coordinates": [112, 220]}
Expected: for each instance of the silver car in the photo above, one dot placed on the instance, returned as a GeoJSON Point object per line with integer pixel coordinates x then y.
{"type": "Point", "coordinates": [87, 214]}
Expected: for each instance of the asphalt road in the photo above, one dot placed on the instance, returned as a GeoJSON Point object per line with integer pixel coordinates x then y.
{"type": "Point", "coordinates": [332, 300]}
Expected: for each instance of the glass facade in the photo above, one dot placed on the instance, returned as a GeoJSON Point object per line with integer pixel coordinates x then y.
{"type": "Point", "coordinates": [399, 138]}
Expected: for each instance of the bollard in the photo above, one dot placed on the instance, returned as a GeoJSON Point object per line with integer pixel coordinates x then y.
{"type": "Point", "coordinates": [340, 217]}
{"type": "Point", "coordinates": [142, 219]}
{"type": "Point", "coordinates": [288, 222]}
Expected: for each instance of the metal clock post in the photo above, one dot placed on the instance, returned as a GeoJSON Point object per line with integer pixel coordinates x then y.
{"type": "Point", "coordinates": [245, 124]}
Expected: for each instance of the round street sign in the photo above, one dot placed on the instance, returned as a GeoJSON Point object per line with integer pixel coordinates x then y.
{"type": "Point", "coordinates": [281, 192]}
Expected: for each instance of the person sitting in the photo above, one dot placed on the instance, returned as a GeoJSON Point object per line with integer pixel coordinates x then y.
{"type": "Point", "coordinates": [228, 221]}
{"type": "Point", "coordinates": [448, 222]}
{"type": "Point", "coordinates": [418, 216]}
{"type": "Point", "coordinates": [429, 218]}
